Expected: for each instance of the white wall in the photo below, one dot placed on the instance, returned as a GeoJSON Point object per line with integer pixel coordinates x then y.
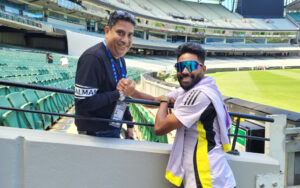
{"type": "Point", "coordinates": [79, 42]}
{"type": "Point", "coordinates": [41, 159]}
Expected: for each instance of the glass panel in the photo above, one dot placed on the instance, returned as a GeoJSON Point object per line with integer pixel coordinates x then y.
{"type": "Point", "coordinates": [139, 34]}
{"type": "Point", "coordinates": [278, 40]}
{"type": "Point", "coordinates": [255, 41]}
{"type": "Point", "coordinates": [155, 36]}
{"type": "Point", "coordinates": [11, 10]}
{"type": "Point", "coordinates": [196, 40]}
{"type": "Point", "coordinates": [215, 40]}
{"type": "Point", "coordinates": [235, 41]}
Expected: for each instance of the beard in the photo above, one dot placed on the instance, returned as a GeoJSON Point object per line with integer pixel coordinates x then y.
{"type": "Point", "coordinates": [195, 80]}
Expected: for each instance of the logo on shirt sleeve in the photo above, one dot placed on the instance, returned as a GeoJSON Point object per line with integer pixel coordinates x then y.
{"type": "Point", "coordinates": [190, 100]}
{"type": "Point", "coordinates": [81, 92]}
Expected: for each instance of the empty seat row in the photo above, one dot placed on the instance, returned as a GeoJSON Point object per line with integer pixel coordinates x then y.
{"type": "Point", "coordinates": [33, 100]}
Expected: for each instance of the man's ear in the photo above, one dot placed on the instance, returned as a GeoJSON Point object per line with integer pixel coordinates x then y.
{"type": "Point", "coordinates": [204, 69]}
{"type": "Point", "coordinates": [106, 30]}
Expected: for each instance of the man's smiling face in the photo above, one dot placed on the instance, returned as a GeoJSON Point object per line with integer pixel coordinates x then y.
{"type": "Point", "coordinates": [188, 79]}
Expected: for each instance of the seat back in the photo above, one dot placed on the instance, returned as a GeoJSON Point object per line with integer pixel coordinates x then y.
{"type": "Point", "coordinates": [3, 90]}
{"type": "Point", "coordinates": [16, 99]}
{"type": "Point", "coordinates": [3, 102]}
{"type": "Point", "coordinates": [7, 117]}
{"type": "Point", "coordinates": [30, 96]}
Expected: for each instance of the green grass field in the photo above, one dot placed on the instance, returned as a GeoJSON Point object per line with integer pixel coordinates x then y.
{"type": "Point", "coordinates": [277, 88]}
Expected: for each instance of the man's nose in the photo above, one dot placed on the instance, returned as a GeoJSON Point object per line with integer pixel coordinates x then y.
{"type": "Point", "coordinates": [125, 39]}
{"type": "Point", "coordinates": [185, 71]}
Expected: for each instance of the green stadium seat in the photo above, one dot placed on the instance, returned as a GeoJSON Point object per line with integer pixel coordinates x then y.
{"type": "Point", "coordinates": [3, 90]}
{"type": "Point", "coordinates": [31, 120]}
{"type": "Point", "coordinates": [60, 98]}
{"type": "Point", "coordinates": [46, 106]}
{"type": "Point", "coordinates": [39, 104]}
{"type": "Point", "coordinates": [68, 98]}
{"type": "Point", "coordinates": [57, 102]}
{"type": "Point", "coordinates": [52, 105]}
{"type": "Point", "coordinates": [63, 101]}
{"type": "Point", "coordinates": [8, 118]}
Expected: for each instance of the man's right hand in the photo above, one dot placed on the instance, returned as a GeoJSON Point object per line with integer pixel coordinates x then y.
{"type": "Point", "coordinates": [127, 86]}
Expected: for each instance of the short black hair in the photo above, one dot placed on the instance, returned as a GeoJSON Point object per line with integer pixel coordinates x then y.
{"type": "Point", "coordinates": [193, 48]}
{"type": "Point", "coordinates": [120, 15]}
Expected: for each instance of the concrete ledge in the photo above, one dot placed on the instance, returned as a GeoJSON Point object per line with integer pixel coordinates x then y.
{"type": "Point", "coordinates": [247, 166]}
{"type": "Point", "coordinates": [34, 159]}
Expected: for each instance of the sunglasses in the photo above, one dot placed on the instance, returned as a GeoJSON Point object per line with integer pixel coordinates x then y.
{"type": "Point", "coordinates": [190, 65]}
{"type": "Point", "coordinates": [125, 14]}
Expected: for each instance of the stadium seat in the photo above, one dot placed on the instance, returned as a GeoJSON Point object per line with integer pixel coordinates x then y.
{"type": "Point", "coordinates": [60, 98]}
{"type": "Point", "coordinates": [38, 103]}
{"type": "Point", "coordinates": [46, 104]}
{"type": "Point", "coordinates": [69, 98]}
{"type": "Point", "coordinates": [8, 118]}
{"type": "Point", "coordinates": [30, 120]}
{"type": "Point", "coordinates": [3, 90]}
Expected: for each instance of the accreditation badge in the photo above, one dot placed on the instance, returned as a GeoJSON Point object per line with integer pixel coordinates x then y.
{"type": "Point", "coordinates": [118, 113]}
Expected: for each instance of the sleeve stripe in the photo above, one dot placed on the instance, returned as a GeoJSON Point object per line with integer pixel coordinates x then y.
{"type": "Point", "coordinates": [79, 97]}
{"type": "Point", "coordinates": [195, 97]}
{"type": "Point", "coordinates": [85, 92]}
{"type": "Point", "coordinates": [83, 87]}
{"type": "Point", "coordinates": [192, 98]}
{"type": "Point", "coordinates": [188, 98]}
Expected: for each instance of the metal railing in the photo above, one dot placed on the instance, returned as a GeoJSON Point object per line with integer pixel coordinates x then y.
{"type": "Point", "coordinates": [129, 100]}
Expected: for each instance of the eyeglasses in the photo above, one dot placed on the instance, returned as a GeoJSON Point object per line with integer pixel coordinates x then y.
{"type": "Point", "coordinates": [190, 65]}
{"type": "Point", "coordinates": [125, 14]}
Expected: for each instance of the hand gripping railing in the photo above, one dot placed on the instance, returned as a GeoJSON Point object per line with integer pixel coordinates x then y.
{"type": "Point", "coordinates": [129, 100]}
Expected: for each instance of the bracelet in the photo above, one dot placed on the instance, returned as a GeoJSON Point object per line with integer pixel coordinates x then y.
{"type": "Point", "coordinates": [164, 99]}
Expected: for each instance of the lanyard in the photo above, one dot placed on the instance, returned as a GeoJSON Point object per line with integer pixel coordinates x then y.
{"type": "Point", "coordinates": [114, 66]}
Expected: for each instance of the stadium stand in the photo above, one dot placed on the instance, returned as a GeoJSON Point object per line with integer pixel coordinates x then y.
{"type": "Point", "coordinates": [161, 25]}
{"type": "Point", "coordinates": [20, 19]}
{"type": "Point", "coordinates": [35, 70]}
{"type": "Point", "coordinates": [30, 67]}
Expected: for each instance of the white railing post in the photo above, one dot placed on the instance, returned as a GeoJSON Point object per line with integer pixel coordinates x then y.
{"type": "Point", "coordinates": [276, 146]}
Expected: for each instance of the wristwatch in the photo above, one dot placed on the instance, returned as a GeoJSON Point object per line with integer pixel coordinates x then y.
{"type": "Point", "coordinates": [122, 96]}
{"type": "Point", "coordinates": [164, 99]}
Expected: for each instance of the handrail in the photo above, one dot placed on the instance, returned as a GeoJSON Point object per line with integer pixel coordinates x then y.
{"type": "Point", "coordinates": [75, 116]}
{"type": "Point", "coordinates": [110, 120]}
{"type": "Point", "coordinates": [35, 86]}
{"type": "Point", "coordinates": [129, 100]}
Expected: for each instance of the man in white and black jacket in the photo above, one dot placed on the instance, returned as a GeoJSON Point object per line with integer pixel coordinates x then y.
{"type": "Point", "coordinates": [98, 73]}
